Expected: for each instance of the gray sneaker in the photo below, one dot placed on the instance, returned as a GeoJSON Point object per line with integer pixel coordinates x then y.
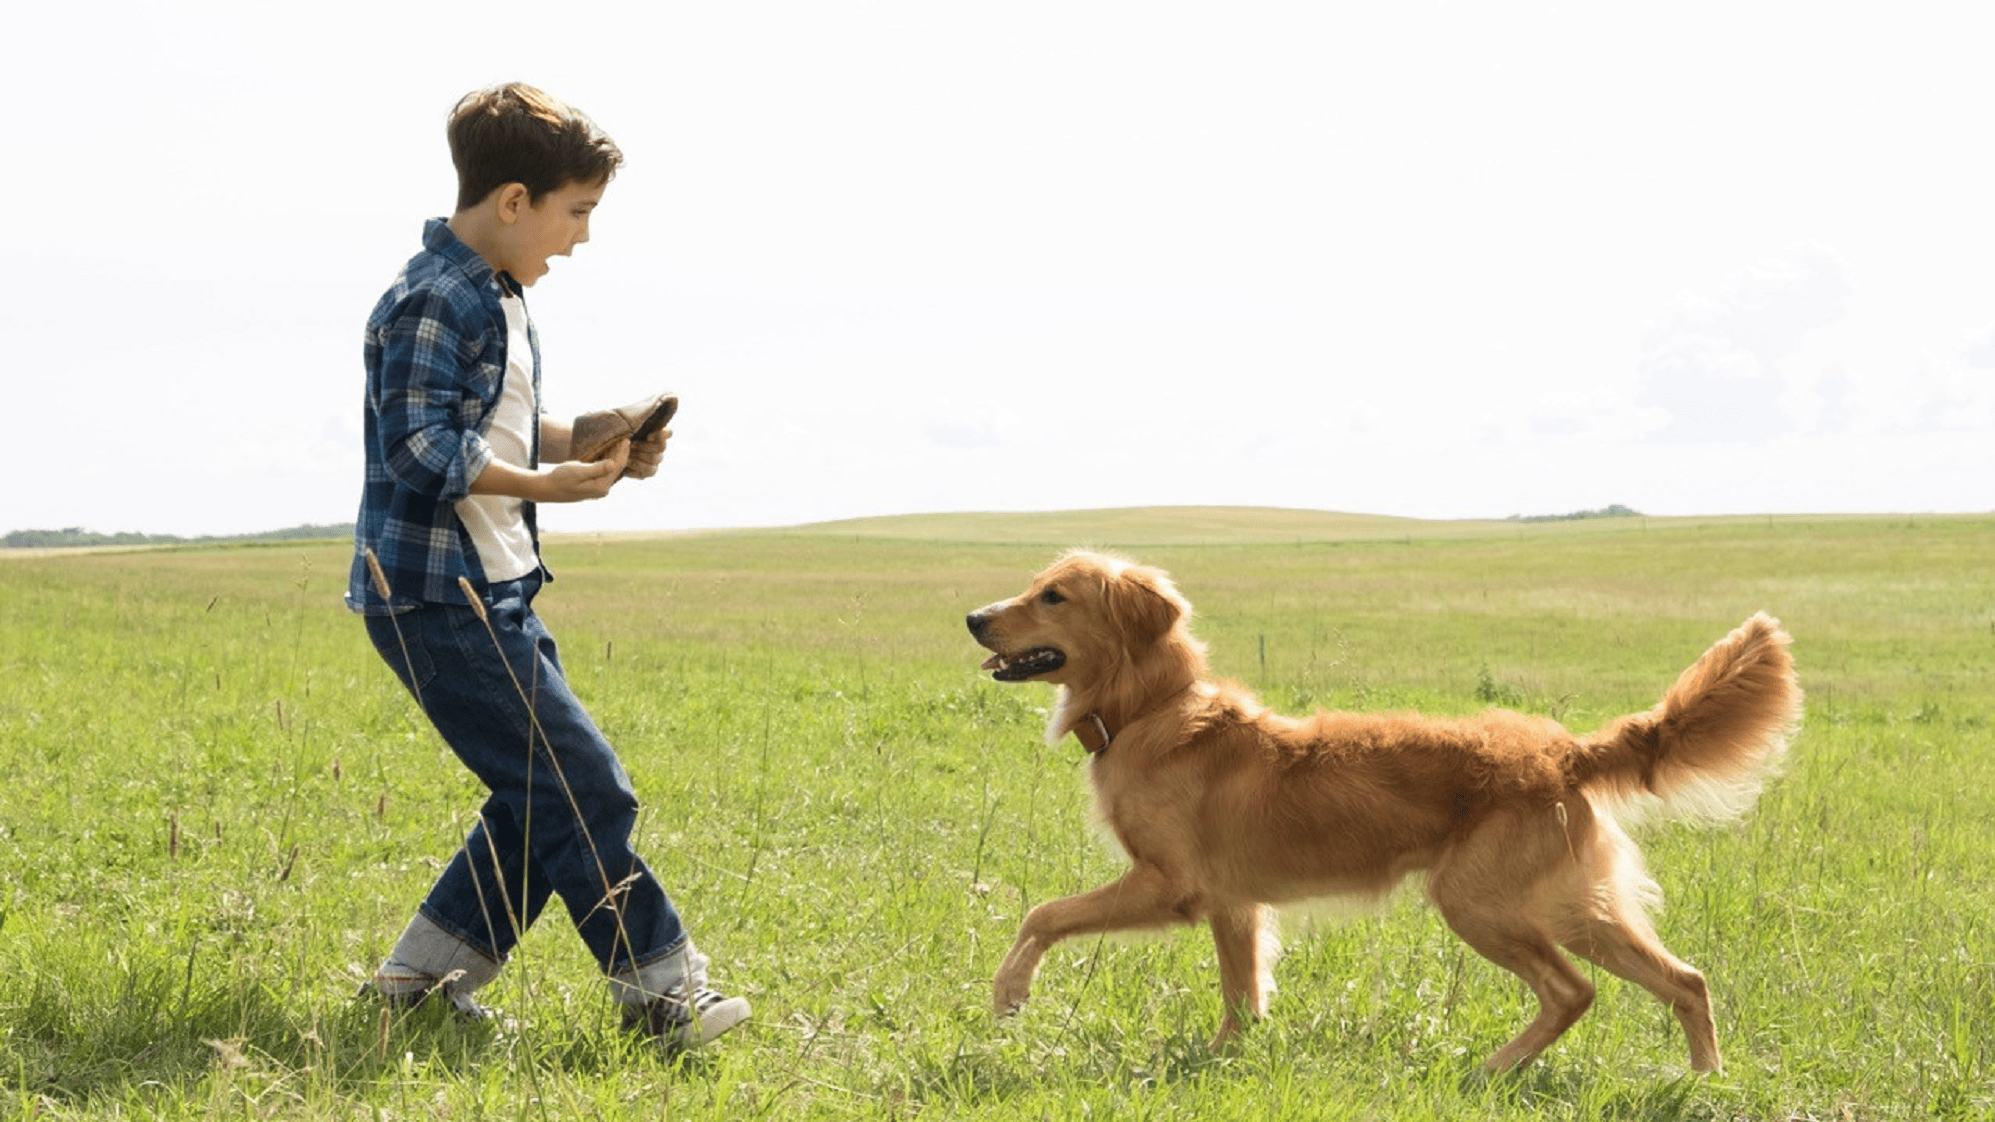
{"type": "Point", "coordinates": [677, 1023]}
{"type": "Point", "coordinates": [456, 1002]}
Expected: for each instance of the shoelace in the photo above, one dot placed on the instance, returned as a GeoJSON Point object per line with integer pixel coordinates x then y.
{"type": "Point", "coordinates": [702, 1000]}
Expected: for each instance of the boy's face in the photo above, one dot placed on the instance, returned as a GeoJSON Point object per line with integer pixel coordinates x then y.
{"type": "Point", "coordinates": [553, 227]}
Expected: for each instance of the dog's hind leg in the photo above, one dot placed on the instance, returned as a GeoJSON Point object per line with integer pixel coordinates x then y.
{"type": "Point", "coordinates": [1627, 947]}
{"type": "Point", "coordinates": [1245, 937]}
{"type": "Point", "coordinates": [1563, 993]}
{"type": "Point", "coordinates": [1611, 929]}
{"type": "Point", "coordinates": [1487, 893]}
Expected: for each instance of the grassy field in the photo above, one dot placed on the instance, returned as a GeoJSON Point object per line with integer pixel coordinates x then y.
{"type": "Point", "coordinates": [221, 809]}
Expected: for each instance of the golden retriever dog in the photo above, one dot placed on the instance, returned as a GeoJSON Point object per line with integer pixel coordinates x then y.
{"type": "Point", "coordinates": [1226, 808]}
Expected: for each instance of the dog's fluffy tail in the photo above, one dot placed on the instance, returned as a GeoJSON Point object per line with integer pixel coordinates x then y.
{"type": "Point", "coordinates": [1714, 739]}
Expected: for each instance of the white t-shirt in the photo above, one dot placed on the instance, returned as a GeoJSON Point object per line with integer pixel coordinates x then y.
{"type": "Point", "coordinates": [505, 549]}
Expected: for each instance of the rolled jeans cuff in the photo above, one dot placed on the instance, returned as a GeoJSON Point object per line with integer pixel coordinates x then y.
{"type": "Point", "coordinates": [427, 956]}
{"type": "Point", "coordinates": [676, 973]}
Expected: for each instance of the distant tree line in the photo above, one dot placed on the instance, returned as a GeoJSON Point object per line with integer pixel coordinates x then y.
{"type": "Point", "coordinates": [75, 536]}
{"type": "Point", "coordinates": [1614, 511]}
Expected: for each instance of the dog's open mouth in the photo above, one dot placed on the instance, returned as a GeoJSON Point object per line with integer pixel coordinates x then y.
{"type": "Point", "coordinates": [1031, 664]}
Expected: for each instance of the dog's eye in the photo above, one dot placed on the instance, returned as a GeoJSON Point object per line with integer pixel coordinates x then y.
{"type": "Point", "coordinates": [1052, 596]}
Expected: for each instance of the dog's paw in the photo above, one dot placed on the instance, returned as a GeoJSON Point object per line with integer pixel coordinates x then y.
{"type": "Point", "coordinates": [1008, 995]}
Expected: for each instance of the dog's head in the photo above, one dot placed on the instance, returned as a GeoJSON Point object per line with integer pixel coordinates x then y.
{"type": "Point", "coordinates": [1081, 619]}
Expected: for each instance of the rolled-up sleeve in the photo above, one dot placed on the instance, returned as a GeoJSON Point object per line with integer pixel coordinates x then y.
{"type": "Point", "coordinates": [427, 406]}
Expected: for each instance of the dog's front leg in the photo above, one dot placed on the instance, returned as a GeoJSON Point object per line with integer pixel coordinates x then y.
{"type": "Point", "coordinates": [1245, 937]}
{"type": "Point", "coordinates": [1145, 896]}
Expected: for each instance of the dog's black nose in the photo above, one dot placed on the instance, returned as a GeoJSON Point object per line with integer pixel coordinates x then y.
{"type": "Point", "coordinates": [976, 621]}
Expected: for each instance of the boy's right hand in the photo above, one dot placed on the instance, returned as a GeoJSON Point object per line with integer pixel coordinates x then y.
{"type": "Point", "coordinates": [575, 481]}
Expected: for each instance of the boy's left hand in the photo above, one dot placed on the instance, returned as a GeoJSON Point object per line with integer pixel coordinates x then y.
{"type": "Point", "coordinates": [645, 455]}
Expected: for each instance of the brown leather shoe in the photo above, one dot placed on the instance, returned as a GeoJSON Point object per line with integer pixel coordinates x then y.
{"type": "Point", "coordinates": [595, 435]}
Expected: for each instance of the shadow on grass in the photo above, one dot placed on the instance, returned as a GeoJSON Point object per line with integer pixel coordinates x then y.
{"type": "Point", "coordinates": [1120, 1069]}
{"type": "Point", "coordinates": [996, 1071]}
{"type": "Point", "coordinates": [75, 1044]}
{"type": "Point", "coordinates": [146, 1042]}
{"type": "Point", "coordinates": [1553, 1089]}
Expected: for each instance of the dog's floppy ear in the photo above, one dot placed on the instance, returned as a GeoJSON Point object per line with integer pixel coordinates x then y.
{"type": "Point", "coordinates": [1144, 603]}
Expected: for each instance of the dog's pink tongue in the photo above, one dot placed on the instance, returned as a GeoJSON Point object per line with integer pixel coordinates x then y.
{"type": "Point", "coordinates": [993, 663]}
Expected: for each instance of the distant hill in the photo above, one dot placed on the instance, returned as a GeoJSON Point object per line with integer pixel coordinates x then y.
{"type": "Point", "coordinates": [1139, 527]}
{"type": "Point", "coordinates": [1124, 526]}
{"type": "Point", "coordinates": [74, 537]}
{"type": "Point", "coordinates": [1133, 527]}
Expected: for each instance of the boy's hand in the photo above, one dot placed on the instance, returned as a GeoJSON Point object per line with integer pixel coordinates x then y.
{"type": "Point", "coordinates": [645, 455]}
{"type": "Point", "coordinates": [575, 481]}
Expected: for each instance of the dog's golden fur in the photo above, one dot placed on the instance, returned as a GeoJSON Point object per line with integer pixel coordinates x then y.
{"type": "Point", "coordinates": [1225, 808]}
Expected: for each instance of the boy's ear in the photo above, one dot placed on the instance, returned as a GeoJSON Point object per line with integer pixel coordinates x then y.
{"type": "Point", "coordinates": [512, 199]}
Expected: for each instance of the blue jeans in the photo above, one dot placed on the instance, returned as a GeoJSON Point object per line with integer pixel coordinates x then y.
{"type": "Point", "coordinates": [562, 808]}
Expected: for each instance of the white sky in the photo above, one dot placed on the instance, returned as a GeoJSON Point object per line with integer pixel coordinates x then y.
{"type": "Point", "coordinates": [1437, 260]}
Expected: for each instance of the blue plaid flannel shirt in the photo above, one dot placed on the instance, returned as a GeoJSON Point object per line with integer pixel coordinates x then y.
{"type": "Point", "coordinates": [436, 363]}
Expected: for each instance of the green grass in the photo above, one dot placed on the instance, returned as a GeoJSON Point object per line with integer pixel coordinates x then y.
{"type": "Point", "coordinates": [221, 809]}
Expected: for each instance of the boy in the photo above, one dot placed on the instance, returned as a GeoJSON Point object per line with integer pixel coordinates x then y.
{"type": "Point", "coordinates": [458, 454]}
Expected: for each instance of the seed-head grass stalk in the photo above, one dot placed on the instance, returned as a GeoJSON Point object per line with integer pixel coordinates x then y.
{"type": "Point", "coordinates": [381, 586]}
{"type": "Point", "coordinates": [755, 840]}
{"type": "Point", "coordinates": [537, 737]}
{"type": "Point", "coordinates": [388, 597]}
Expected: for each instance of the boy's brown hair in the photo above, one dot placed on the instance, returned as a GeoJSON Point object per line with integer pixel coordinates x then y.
{"type": "Point", "coordinates": [514, 133]}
